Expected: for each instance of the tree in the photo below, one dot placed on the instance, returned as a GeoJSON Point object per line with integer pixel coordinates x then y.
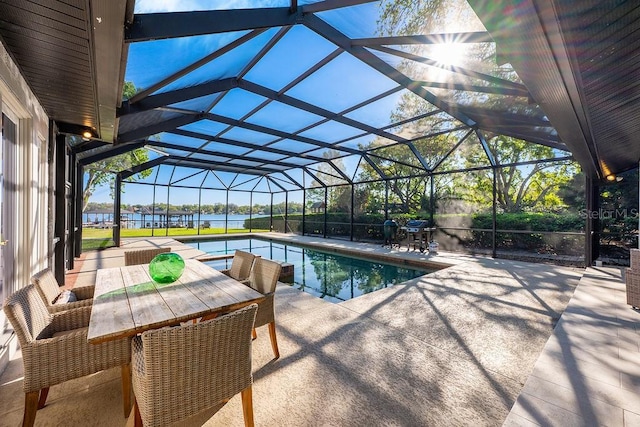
{"type": "Point", "coordinates": [410, 191]}
{"type": "Point", "coordinates": [573, 192]}
{"type": "Point", "coordinates": [400, 17]}
{"type": "Point", "coordinates": [339, 195]}
{"type": "Point", "coordinates": [520, 188]}
{"type": "Point", "coordinates": [103, 172]}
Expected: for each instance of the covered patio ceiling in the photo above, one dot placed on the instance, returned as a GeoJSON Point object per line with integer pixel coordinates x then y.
{"type": "Point", "coordinates": [296, 90]}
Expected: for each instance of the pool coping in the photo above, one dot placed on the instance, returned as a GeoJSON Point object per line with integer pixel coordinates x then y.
{"type": "Point", "coordinates": [363, 250]}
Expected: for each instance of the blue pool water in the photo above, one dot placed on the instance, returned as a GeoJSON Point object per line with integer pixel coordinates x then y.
{"type": "Point", "coordinates": [329, 276]}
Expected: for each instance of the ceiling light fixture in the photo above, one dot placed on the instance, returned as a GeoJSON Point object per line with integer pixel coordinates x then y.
{"type": "Point", "coordinates": [87, 134]}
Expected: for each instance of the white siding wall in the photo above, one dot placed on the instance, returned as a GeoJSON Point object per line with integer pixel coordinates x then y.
{"type": "Point", "coordinates": [25, 170]}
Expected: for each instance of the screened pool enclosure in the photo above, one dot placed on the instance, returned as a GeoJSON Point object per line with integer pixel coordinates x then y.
{"type": "Point", "coordinates": [326, 118]}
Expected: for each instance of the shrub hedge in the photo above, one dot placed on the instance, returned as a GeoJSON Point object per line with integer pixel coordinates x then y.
{"type": "Point", "coordinates": [369, 228]}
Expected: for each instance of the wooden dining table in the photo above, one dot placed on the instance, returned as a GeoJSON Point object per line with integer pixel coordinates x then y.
{"type": "Point", "coordinates": [127, 301]}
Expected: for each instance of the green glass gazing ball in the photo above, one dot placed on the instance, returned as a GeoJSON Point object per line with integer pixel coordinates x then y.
{"type": "Point", "coordinates": [166, 267]}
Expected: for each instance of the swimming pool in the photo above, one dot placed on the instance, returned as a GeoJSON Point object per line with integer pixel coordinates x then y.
{"type": "Point", "coordinates": [329, 276]}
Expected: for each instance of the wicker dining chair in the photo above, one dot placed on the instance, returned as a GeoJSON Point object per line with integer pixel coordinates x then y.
{"type": "Point", "coordinates": [55, 349]}
{"type": "Point", "coordinates": [263, 278]}
{"type": "Point", "coordinates": [240, 266]}
{"type": "Point", "coordinates": [142, 256]}
{"type": "Point", "coordinates": [52, 295]}
{"type": "Point", "coordinates": [180, 371]}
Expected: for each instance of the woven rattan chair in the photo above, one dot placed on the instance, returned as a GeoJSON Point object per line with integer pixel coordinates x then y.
{"type": "Point", "coordinates": [241, 265]}
{"type": "Point", "coordinates": [49, 290]}
{"type": "Point", "coordinates": [142, 256]}
{"type": "Point", "coordinates": [263, 278]}
{"type": "Point", "coordinates": [180, 371]}
{"type": "Point", "coordinates": [55, 349]}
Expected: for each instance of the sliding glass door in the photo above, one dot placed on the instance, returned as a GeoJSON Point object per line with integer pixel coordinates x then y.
{"type": "Point", "coordinates": [7, 147]}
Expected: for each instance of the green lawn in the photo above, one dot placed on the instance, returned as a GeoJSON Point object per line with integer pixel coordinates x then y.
{"type": "Point", "coordinates": [98, 238]}
{"type": "Point", "coordinates": [96, 243]}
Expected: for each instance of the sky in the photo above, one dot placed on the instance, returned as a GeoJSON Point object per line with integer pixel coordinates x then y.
{"type": "Point", "coordinates": [298, 50]}
{"type": "Point", "coordinates": [282, 64]}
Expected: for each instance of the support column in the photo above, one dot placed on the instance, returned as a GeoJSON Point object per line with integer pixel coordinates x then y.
{"type": "Point", "coordinates": [326, 200]}
{"type": "Point", "coordinates": [72, 219]}
{"type": "Point", "coordinates": [60, 205]}
{"type": "Point", "coordinates": [494, 213]}
{"type": "Point", "coordinates": [353, 204]}
{"type": "Point", "coordinates": [286, 211]}
{"type": "Point", "coordinates": [432, 204]}
{"type": "Point", "coordinates": [167, 218]}
{"type": "Point", "coordinates": [304, 209]}
{"type": "Point", "coordinates": [251, 210]}
{"type": "Point", "coordinates": [592, 224]}
{"type": "Point", "coordinates": [271, 214]}
{"type": "Point", "coordinates": [226, 215]}
{"type": "Point", "coordinates": [117, 198]}
{"type": "Point", "coordinates": [199, 210]}
{"type": "Point", "coordinates": [386, 199]}
{"type": "Point", "coordinates": [78, 200]}
{"type": "Point", "coordinates": [153, 212]}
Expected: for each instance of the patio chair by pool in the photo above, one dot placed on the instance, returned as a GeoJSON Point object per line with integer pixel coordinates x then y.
{"type": "Point", "coordinates": [263, 278]}
{"type": "Point", "coordinates": [57, 300]}
{"type": "Point", "coordinates": [240, 266]}
{"type": "Point", "coordinates": [142, 256]}
{"type": "Point", "coordinates": [181, 371]}
{"type": "Point", "coordinates": [55, 349]}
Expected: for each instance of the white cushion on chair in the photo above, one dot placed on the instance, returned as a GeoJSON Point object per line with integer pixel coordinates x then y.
{"type": "Point", "coordinates": [66, 297]}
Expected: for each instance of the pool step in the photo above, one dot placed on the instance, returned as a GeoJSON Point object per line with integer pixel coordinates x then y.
{"type": "Point", "coordinates": [286, 274]}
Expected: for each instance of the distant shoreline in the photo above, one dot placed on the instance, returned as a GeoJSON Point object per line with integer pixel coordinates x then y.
{"type": "Point", "coordinates": [136, 220]}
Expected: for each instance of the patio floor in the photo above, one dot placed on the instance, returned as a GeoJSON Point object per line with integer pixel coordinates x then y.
{"type": "Point", "coordinates": [472, 344]}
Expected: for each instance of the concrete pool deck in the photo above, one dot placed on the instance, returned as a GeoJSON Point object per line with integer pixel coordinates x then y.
{"type": "Point", "coordinates": [484, 342]}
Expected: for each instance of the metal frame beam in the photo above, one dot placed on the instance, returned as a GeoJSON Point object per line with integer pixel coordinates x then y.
{"type": "Point", "coordinates": [174, 96]}
{"type": "Point", "coordinates": [114, 151]}
{"type": "Point", "coordinates": [451, 150]}
{"type": "Point", "coordinates": [275, 132]}
{"type": "Point", "coordinates": [293, 181]}
{"type": "Point", "coordinates": [89, 145]}
{"type": "Point", "coordinates": [506, 117]}
{"type": "Point", "coordinates": [164, 126]}
{"type": "Point", "coordinates": [548, 70]}
{"type": "Point", "coordinates": [156, 26]}
{"type": "Point", "coordinates": [315, 168]}
{"type": "Point", "coordinates": [315, 178]}
{"type": "Point", "coordinates": [333, 35]}
{"type": "Point", "coordinates": [150, 26]}
{"type": "Point", "coordinates": [302, 105]}
{"type": "Point", "coordinates": [205, 164]}
{"type": "Point", "coordinates": [197, 64]}
{"type": "Point", "coordinates": [332, 4]}
{"type": "Point", "coordinates": [506, 165]}
{"type": "Point", "coordinates": [213, 153]}
{"type": "Point", "coordinates": [271, 181]}
{"type": "Point", "coordinates": [210, 139]}
{"type": "Point", "coordinates": [126, 173]}
{"type": "Point", "coordinates": [497, 90]}
{"type": "Point", "coordinates": [486, 148]}
{"type": "Point", "coordinates": [442, 38]}
{"type": "Point", "coordinates": [455, 69]}
{"type": "Point", "coordinates": [377, 156]}
{"type": "Point", "coordinates": [273, 178]}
